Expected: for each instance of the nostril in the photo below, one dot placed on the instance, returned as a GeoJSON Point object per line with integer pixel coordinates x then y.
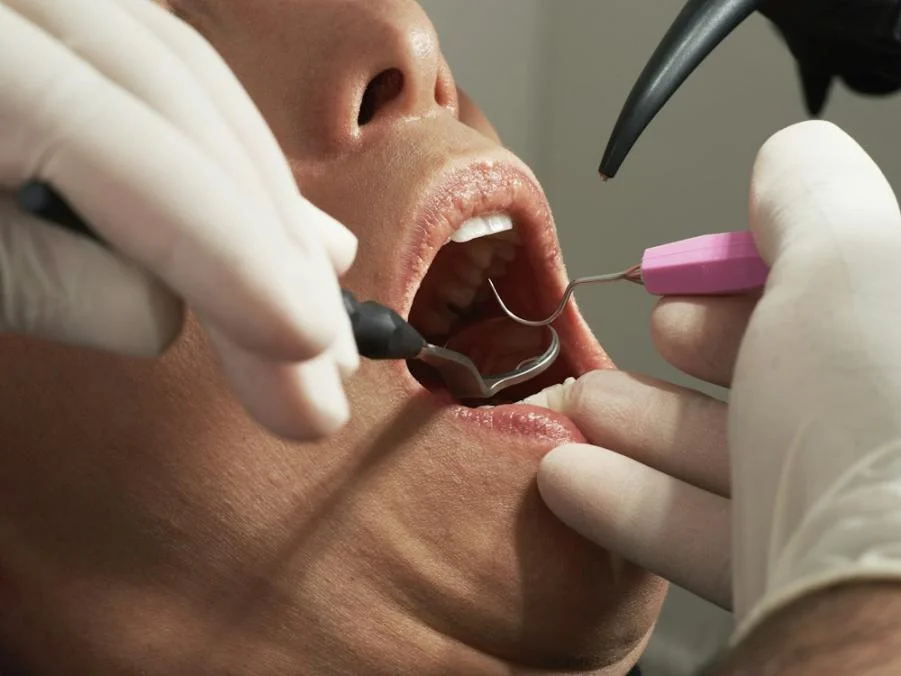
{"type": "Point", "coordinates": [445, 88]}
{"type": "Point", "coordinates": [381, 90]}
{"type": "Point", "coordinates": [442, 98]}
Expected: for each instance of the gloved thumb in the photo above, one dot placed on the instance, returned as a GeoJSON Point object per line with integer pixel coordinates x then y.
{"type": "Point", "coordinates": [814, 189]}
{"type": "Point", "coordinates": [66, 288]}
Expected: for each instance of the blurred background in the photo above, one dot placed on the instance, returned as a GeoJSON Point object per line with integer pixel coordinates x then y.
{"type": "Point", "coordinates": [552, 76]}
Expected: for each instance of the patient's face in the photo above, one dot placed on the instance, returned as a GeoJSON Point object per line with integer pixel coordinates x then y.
{"type": "Point", "coordinates": [147, 524]}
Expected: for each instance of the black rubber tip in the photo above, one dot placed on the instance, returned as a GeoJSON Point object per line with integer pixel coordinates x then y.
{"type": "Point", "coordinates": [699, 28]}
{"type": "Point", "coordinates": [816, 85]}
{"type": "Point", "coordinates": [380, 332]}
{"type": "Point", "coordinates": [41, 200]}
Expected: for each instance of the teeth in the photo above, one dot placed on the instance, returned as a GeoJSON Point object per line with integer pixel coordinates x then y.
{"type": "Point", "coordinates": [483, 294]}
{"type": "Point", "coordinates": [555, 397]}
{"type": "Point", "coordinates": [436, 322]}
{"type": "Point", "coordinates": [482, 226]}
{"type": "Point", "coordinates": [505, 251]}
{"type": "Point", "coordinates": [460, 296]}
{"type": "Point", "coordinates": [469, 275]}
{"type": "Point", "coordinates": [480, 254]}
{"type": "Point", "coordinates": [498, 269]}
{"type": "Point", "coordinates": [510, 236]}
{"type": "Point", "coordinates": [487, 245]}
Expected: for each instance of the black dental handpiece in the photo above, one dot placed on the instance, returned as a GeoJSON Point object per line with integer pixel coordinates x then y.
{"type": "Point", "coordinates": [380, 332]}
{"type": "Point", "coordinates": [856, 41]}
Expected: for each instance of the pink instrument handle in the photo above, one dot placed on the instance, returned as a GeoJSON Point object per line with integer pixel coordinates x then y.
{"type": "Point", "coordinates": [709, 265]}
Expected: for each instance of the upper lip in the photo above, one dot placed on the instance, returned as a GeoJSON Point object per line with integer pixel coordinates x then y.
{"type": "Point", "coordinates": [483, 187]}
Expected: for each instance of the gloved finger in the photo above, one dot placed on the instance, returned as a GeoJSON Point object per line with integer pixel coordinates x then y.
{"type": "Point", "coordinates": [183, 101]}
{"type": "Point", "coordinates": [177, 97]}
{"type": "Point", "coordinates": [675, 430]}
{"type": "Point", "coordinates": [249, 127]}
{"type": "Point", "coordinates": [701, 336]}
{"type": "Point", "coordinates": [112, 157]}
{"type": "Point", "coordinates": [65, 288]}
{"type": "Point", "coordinates": [306, 219]}
{"type": "Point", "coordinates": [302, 402]}
{"type": "Point", "coordinates": [673, 529]}
{"type": "Point", "coordinates": [816, 192]}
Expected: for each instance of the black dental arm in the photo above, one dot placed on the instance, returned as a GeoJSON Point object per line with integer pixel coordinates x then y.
{"type": "Point", "coordinates": [700, 26]}
{"type": "Point", "coordinates": [379, 331]}
{"type": "Point", "coordinates": [858, 41]}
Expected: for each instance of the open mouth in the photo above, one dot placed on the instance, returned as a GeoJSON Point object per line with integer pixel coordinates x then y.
{"type": "Point", "coordinates": [453, 306]}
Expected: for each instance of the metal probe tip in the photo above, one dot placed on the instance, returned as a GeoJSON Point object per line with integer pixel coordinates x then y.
{"type": "Point", "coordinates": [632, 274]}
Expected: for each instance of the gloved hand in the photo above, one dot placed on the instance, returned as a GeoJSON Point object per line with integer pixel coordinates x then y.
{"type": "Point", "coordinates": [134, 118]}
{"type": "Point", "coordinates": [815, 420]}
{"type": "Point", "coordinates": [815, 414]}
{"type": "Point", "coordinates": [857, 41]}
{"type": "Point", "coordinates": [654, 486]}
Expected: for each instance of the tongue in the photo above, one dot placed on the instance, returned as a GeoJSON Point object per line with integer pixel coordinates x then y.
{"type": "Point", "coordinates": [500, 344]}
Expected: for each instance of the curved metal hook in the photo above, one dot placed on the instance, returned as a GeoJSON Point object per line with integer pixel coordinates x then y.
{"type": "Point", "coordinates": [631, 275]}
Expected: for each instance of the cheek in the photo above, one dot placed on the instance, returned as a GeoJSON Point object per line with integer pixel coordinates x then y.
{"type": "Point", "coordinates": [153, 453]}
{"type": "Point", "coordinates": [472, 116]}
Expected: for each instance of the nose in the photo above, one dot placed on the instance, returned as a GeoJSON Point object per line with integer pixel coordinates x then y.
{"type": "Point", "coordinates": [384, 67]}
{"type": "Point", "coordinates": [400, 59]}
{"type": "Point", "coordinates": [406, 75]}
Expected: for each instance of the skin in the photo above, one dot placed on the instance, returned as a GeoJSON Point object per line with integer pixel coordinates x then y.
{"type": "Point", "coordinates": [850, 629]}
{"type": "Point", "coordinates": [146, 522]}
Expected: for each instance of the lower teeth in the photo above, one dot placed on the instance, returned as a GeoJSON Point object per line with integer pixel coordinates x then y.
{"type": "Point", "coordinates": [555, 397]}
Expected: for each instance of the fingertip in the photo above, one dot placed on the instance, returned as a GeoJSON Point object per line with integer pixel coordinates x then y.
{"type": "Point", "coordinates": [338, 241]}
{"type": "Point", "coordinates": [302, 401]}
{"type": "Point", "coordinates": [701, 336]}
{"type": "Point", "coordinates": [807, 142]}
{"type": "Point", "coordinates": [345, 351]}
{"type": "Point", "coordinates": [293, 336]}
{"type": "Point", "coordinates": [318, 407]}
{"type": "Point", "coordinates": [812, 182]}
{"type": "Point", "coordinates": [561, 475]}
{"type": "Point", "coordinates": [804, 133]}
{"type": "Point", "coordinates": [303, 316]}
{"type": "Point", "coordinates": [668, 316]}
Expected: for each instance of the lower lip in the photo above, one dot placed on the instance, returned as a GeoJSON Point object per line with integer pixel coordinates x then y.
{"type": "Point", "coordinates": [523, 420]}
{"type": "Point", "coordinates": [540, 424]}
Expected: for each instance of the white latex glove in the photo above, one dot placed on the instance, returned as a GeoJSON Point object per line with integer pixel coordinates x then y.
{"type": "Point", "coordinates": [815, 419]}
{"type": "Point", "coordinates": [815, 415]}
{"type": "Point", "coordinates": [140, 125]}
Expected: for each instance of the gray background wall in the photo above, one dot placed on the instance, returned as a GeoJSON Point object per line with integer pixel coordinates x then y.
{"type": "Point", "coordinates": [552, 76]}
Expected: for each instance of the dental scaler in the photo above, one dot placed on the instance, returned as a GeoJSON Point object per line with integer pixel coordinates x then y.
{"type": "Point", "coordinates": [710, 265]}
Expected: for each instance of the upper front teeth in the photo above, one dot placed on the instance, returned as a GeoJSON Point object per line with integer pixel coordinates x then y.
{"type": "Point", "coordinates": [482, 226]}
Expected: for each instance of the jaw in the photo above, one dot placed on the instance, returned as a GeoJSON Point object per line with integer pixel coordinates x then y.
{"type": "Point", "coordinates": [469, 550]}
